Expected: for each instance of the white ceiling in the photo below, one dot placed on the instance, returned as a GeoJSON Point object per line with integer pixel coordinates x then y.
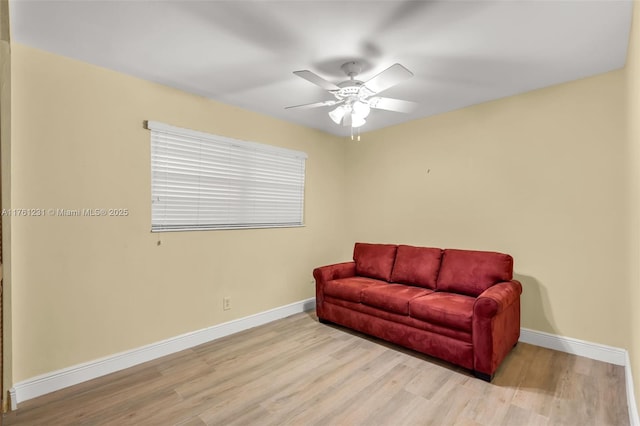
{"type": "Point", "coordinates": [243, 52]}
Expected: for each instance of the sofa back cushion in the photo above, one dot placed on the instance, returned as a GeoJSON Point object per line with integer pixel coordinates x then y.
{"type": "Point", "coordinates": [374, 260]}
{"type": "Point", "coordinates": [417, 266]}
{"type": "Point", "coordinates": [472, 272]}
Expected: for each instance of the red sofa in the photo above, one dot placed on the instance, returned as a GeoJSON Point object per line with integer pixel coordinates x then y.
{"type": "Point", "coordinates": [458, 305]}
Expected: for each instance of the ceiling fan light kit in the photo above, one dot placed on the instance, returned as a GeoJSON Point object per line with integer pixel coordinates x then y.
{"type": "Point", "coordinates": [361, 108]}
{"type": "Point", "coordinates": [338, 114]}
{"type": "Point", "coordinates": [358, 111]}
{"type": "Point", "coordinates": [354, 98]}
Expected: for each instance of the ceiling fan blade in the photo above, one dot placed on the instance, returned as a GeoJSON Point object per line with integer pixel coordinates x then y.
{"type": "Point", "coordinates": [391, 104]}
{"type": "Point", "coordinates": [316, 79]}
{"type": "Point", "coordinates": [388, 78]}
{"type": "Point", "coordinates": [315, 104]}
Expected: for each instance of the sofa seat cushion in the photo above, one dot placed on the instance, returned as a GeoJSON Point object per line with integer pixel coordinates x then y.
{"type": "Point", "coordinates": [472, 272]}
{"type": "Point", "coordinates": [392, 297]}
{"type": "Point", "coordinates": [416, 266]}
{"type": "Point", "coordinates": [350, 288]}
{"type": "Point", "coordinates": [447, 309]}
{"type": "Point", "coordinates": [374, 260]}
{"type": "Point", "coordinates": [463, 336]}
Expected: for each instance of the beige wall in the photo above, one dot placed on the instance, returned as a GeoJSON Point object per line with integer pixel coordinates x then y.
{"type": "Point", "coordinates": [89, 287]}
{"type": "Point", "coordinates": [633, 166]}
{"type": "Point", "coordinates": [539, 176]}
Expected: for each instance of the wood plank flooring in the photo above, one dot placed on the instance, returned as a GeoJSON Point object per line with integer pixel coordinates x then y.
{"type": "Point", "coordinates": [296, 371]}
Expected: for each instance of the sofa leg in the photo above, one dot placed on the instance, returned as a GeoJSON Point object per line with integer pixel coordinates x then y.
{"type": "Point", "coordinates": [483, 376]}
{"type": "Point", "coordinates": [323, 321]}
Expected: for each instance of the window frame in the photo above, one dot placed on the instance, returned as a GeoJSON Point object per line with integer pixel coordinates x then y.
{"type": "Point", "coordinates": [252, 150]}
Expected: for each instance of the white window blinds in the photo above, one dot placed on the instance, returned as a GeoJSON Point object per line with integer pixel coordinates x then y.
{"type": "Point", "coordinates": [204, 181]}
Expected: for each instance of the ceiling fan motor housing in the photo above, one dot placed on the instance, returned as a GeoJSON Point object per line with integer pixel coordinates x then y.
{"type": "Point", "coordinates": [351, 91]}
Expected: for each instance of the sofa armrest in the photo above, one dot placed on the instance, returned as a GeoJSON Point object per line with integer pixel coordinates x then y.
{"type": "Point", "coordinates": [328, 273]}
{"type": "Point", "coordinates": [495, 326]}
{"type": "Point", "coordinates": [497, 298]}
{"type": "Point", "coordinates": [334, 272]}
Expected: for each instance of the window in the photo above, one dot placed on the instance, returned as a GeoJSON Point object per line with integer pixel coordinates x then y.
{"type": "Point", "coordinates": [203, 181]}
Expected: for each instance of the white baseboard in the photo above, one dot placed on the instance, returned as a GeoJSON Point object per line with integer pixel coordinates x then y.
{"type": "Point", "coordinates": [12, 399]}
{"type": "Point", "coordinates": [610, 354]}
{"type": "Point", "coordinates": [634, 420]}
{"type": "Point", "coordinates": [573, 346]}
{"type": "Point", "coordinates": [60, 379]}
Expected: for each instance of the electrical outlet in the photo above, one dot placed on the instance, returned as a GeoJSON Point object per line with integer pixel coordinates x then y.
{"type": "Point", "coordinates": [226, 303]}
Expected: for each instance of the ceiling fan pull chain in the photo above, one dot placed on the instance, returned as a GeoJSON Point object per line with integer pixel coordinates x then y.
{"type": "Point", "coordinates": [357, 133]}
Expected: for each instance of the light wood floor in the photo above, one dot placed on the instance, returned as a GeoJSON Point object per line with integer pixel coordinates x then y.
{"type": "Point", "coordinates": [297, 371]}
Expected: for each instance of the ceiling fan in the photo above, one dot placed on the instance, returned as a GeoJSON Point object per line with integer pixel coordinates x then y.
{"type": "Point", "coordinates": [354, 98]}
